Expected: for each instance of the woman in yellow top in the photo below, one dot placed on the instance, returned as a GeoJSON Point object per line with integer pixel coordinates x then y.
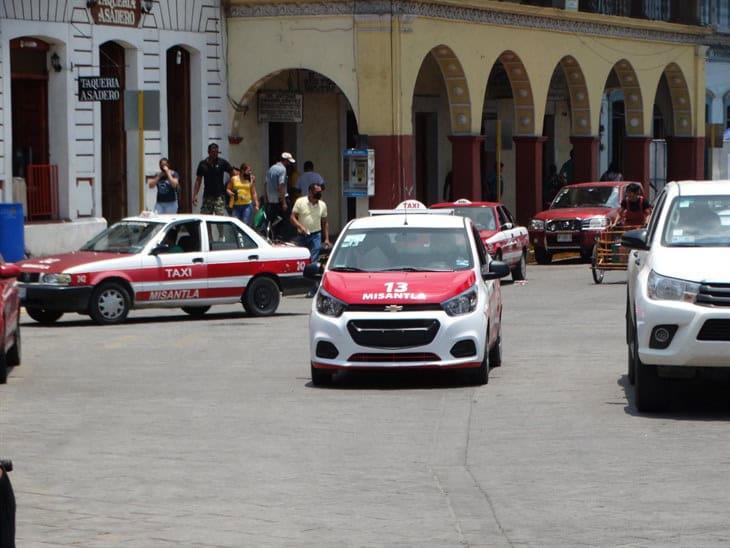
{"type": "Point", "coordinates": [241, 190]}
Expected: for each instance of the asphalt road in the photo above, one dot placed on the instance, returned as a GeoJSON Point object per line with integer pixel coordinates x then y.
{"type": "Point", "coordinates": [168, 431]}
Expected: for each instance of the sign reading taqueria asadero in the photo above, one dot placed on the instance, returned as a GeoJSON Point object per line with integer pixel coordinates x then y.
{"type": "Point", "coordinates": [124, 13]}
{"type": "Point", "coordinates": [99, 88]}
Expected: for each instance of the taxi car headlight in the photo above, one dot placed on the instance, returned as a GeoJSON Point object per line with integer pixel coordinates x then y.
{"type": "Point", "coordinates": [328, 305]}
{"type": "Point", "coordinates": [537, 224]}
{"type": "Point", "coordinates": [594, 223]}
{"type": "Point", "coordinates": [56, 279]}
{"type": "Point", "coordinates": [462, 304]}
{"type": "Point", "coordinates": [663, 288]}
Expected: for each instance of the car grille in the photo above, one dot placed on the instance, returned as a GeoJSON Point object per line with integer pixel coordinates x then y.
{"type": "Point", "coordinates": [563, 224]}
{"type": "Point", "coordinates": [388, 308]}
{"type": "Point", "coordinates": [29, 277]}
{"type": "Point", "coordinates": [714, 295]}
{"type": "Point", "coordinates": [715, 330]}
{"type": "Point", "coordinates": [394, 358]}
{"type": "Point", "coordinates": [393, 333]}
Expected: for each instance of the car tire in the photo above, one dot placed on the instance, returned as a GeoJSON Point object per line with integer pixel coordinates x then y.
{"type": "Point", "coordinates": [13, 356]}
{"type": "Point", "coordinates": [587, 254]}
{"type": "Point", "coordinates": [543, 256]}
{"type": "Point", "coordinates": [480, 376]}
{"type": "Point", "coordinates": [495, 353]}
{"type": "Point", "coordinates": [3, 368]}
{"type": "Point", "coordinates": [262, 297]}
{"type": "Point", "coordinates": [630, 350]}
{"type": "Point", "coordinates": [43, 316]}
{"type": "Point", "coordinates": [321, 377]}
{"type": "Point", "coordinates": [110, 304]}
{"type": "Point", "coordinates": [519, 272]}
{"type": "Point", "coordinates": [195, 311]}
{"type": "Point", "coordinates": [648, 387]}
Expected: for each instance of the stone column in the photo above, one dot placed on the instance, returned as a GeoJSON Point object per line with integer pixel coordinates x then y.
{"type": "Point", "coordinates": [466, 166]}
{"type": "Point", "coordinates": [528, 161]}
{"type": "Point", "coordinates": [586, 159]}
{"type": "Point", "coordinates": [393, 170]}
{"type": "Point", "coordinates": [685, 158]}
{"type": "Point", "coordinates": [636, 161]}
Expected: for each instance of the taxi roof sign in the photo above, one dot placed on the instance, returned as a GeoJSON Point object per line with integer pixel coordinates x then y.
{"type": "Point", "coordinates": [408, 207]}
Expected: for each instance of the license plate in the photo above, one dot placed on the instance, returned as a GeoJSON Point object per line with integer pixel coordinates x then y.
{"type": "Point", "coordinates": [565, 237]}
{"type": "Point", "coordinates": [21, 292]}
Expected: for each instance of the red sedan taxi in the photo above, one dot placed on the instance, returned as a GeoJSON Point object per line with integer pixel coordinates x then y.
{"type": "Point", "coordinates": [409, 287]}
{"type": "Point", "coordinates": [187, 261]}
{"type": "Point", "coordinates": [577, 214]}
{"type": "Point", "coordinates": [504, 240]}
{"type": "Point", "coordinates": [9, 319]}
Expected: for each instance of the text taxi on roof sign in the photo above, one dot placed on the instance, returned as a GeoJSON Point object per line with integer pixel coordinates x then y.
{"type": "Point", "coordinates": [407, 290]}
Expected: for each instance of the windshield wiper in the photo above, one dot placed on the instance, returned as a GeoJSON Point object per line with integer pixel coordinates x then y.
{"type": "Point", "coordinates": [413, 269]}
{"type": "Point", "coordinates": [346, 269]}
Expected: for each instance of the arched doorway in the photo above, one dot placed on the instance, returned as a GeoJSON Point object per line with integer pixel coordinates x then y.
{"type": "Point", "coordinates": [113, 136]}
{"type": "Point", "coordinates": [179, 121]}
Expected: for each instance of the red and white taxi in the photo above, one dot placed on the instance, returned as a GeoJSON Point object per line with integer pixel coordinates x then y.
{"type": "Point", "coordinates": [188, 261]}
{"type": "Point", "coordinates": [408, 287]}
{"type": "Point", "coordinates": [504, 240]}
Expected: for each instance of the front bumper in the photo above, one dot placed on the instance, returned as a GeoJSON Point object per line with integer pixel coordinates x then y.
{"type": "Point", "coordinates": [564, 240]}
{"type": "Point", "coordinates": [435, 354]}
{"type": "Point", "coordinates": [56, 297]}
{"type": "Point", "coordinates": [685, 349]}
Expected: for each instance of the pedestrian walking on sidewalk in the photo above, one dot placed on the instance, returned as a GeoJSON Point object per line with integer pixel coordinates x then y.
{"type": "Point", "coordinates": [307, 178]}
{"type": "Point", "coordinates": [277, 208]}
{"type": "Point", "coordinates": [211, 173]}
{"type": "Point", "coordinates": [242, 189]}
{"type": "Point", "coordinates": [167, 182]}
{"type": "Point", "coordinates": [309, 217]}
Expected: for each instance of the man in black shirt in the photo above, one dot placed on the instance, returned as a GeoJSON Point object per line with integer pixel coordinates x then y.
{"type": "Point", "coordinates": [211, 171]}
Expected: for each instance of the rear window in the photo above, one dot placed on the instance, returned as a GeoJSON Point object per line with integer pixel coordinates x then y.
{"type": "Point", "coordinates": [403, 249]}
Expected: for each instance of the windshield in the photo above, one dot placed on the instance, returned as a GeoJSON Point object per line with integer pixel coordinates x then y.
{"type": "Point", "coordinates": [403, 249]}
{"type": "Point", "coordinates": [586, 196]}
{"type": "Point", "coordinates": [124, 237]}
{"type": "Point", "coordinates": [482, 217]}
{"type": "Point", "coordinates": [698, 221]}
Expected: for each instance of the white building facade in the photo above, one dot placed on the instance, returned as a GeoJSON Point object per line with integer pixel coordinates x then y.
{"type": "Point", "coordinates": [716, 13]}
{"type": "Point", "coordinates": [72, 161]}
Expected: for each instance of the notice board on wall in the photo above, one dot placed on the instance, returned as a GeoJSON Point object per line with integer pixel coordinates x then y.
{"type": "Point", "coordinates": [279, 106]}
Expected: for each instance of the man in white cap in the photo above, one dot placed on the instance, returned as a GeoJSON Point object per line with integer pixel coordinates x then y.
{"type": "Point", "coordinates": [276, 193]}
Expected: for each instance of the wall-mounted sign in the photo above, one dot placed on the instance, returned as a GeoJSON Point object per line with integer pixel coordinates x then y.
{"type": "Point", "coordinates": [279, 106]}
{"type": "Point", "coordinates": [99, 88]}
{"type": "Point", "coordinates": [122, 13]}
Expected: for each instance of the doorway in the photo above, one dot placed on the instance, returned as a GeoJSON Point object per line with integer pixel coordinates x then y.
{"type": "Point", "coordinates": [282, 138]}
{"type": "Point", "coordinates": [426, 140]}
{"type": "Point", "coordinates": [178, 121]}
{"type": "Point", "coordinates": [113, 137]}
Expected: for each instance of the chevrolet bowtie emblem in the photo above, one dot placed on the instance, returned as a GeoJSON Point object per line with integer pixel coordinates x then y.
{"type": "Point", "coordinates": [393, 308]}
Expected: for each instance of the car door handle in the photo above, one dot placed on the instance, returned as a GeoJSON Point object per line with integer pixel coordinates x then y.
{"type": "Point", "coordinates": [198, 260]}
{"type": "Point", "coordinates": [253, 257]}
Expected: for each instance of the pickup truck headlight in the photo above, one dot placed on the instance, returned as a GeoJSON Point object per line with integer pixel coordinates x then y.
{"type": "Point", "coordinates": [537, 224]}
{"type": "Point", "coordinates": [594, 223]}
{"type": "Point", "coordinates": [663, 288]}
{"type": "Point", "coordinates": [462, 304]}
{"type": "Point", "coordinates": [328, 305]}
{"type": "Point", "coordinates": [56, 279]}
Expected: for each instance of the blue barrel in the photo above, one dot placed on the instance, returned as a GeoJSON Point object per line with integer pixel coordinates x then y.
{"type": "Point", "coordinates": [12, 232]}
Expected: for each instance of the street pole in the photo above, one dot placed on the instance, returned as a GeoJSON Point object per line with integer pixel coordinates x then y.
{"type": "Point", "coordinates": [140, 146]}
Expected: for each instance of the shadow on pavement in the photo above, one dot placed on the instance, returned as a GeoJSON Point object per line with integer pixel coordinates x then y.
{"type": "Point", "coordinates": [182, 317]}
{"type": "Point", "coordinates": [398, 380]}
{"type": "Point", "coordinates": [694, 400]}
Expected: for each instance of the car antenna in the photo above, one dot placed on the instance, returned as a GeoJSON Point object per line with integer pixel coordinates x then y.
{"type": "Point", "coordinates": [405, 216]}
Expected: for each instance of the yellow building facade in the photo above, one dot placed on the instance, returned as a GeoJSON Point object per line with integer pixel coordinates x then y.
{"type": "Point", "coordinates": [460, 88]}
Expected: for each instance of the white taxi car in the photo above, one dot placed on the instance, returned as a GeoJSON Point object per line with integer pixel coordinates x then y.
{"type": "Point", "coordinates": [409, 287]}
{"type": "Point", "coordinates": [678, 300]}
{"type": "Point", "coordinates": [162, 261]}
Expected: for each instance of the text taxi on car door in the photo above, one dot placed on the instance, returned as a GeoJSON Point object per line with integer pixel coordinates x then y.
{"type": "Point", "coordinates": [162, 261]}
{"type": "Point", "coordinates": [408, 287]}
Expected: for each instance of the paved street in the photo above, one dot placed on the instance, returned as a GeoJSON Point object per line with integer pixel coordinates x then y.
{"type": "Point", "coordinates": [169, 431]}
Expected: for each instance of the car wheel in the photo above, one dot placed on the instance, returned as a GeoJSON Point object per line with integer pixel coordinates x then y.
{"type": "Point", "coordinates": [196, 311]}
{"type": "Point", "coordinates": [648, 386]}
{"type": "Point", "coordinates": [13, 357]}
{"type": "Point", "coordinates": [262, 297]}
{"type": "Point", "coordinates": [587, 254]}
{"type": "Point", "coordinates": [3, 368]}
{"type": "Point", "coordinates": [480, 376]}
{"type": "Point", "coordinates": [321, 377]}
{"type": "Point", "coordinates": [495, 353]}
{"type": "Point", "coordinates": [109, 304]}
{"type": "Point", "coordinates": [41, 315]}
{"type": "Point", "coordinates": [630, 353]}
{"type": "Point", "coordinates": [543, 256]}
{"type": "Point", "coordinates": [519, 272]}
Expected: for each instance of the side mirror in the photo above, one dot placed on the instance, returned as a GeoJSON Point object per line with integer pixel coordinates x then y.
{"type": "Point", "coordinates": [313, 271]}
{"type": "Point", "coordinates": [161, 248]}
{"type": "Point", "coordinates": [9, 270]}
{"type": "Point", "coordinates": [507, 226]}
{"type": "Point", "coordinates": [635, 239]}
{"type": "Point", "coordinates": [495, 270]}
